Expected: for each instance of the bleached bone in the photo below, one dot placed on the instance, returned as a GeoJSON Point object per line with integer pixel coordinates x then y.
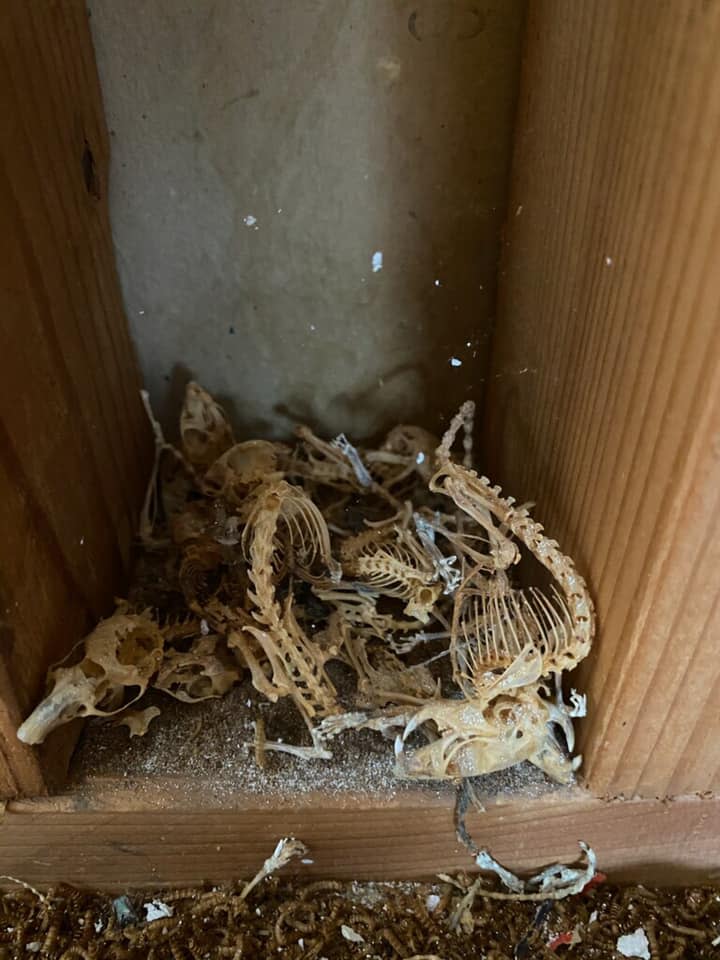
{"type": "Point", "coordinates": [121, 654]}
{"type": "Point", "coordinates": [204, 671]}
{"type": "Point", "coordinates": [205, 431]}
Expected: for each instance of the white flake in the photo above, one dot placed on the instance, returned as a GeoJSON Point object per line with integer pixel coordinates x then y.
{"type": "Point", "coordinates": [351, 934]}
{"type": "Point", "coordinates": [608, 261]}
{"type": "Point", "coordinates": [33, 946]}
{"type": "Point", "coordinates": [157, 910]}
{"type": "Point", "coordinates": [432, 902]}
{"type": "Point", "coordinates": [634, 945]}
{"type": "Point", "coordinates": [249, 220]}
{"type": "Point", "coordinates": [377, 261]}
{"type": "Point", "coordinates": [455, 362]}
{"type": "Point", "coordinates": [204, 627]}
{"type": "Point", "coordinates": [420, 458]}
{"type": "Point", "coordinates": [98, 926]}
{"type": "Point", "coordinates": [593, 916]}
{"type": "Point", "coordinates": [437, 283]}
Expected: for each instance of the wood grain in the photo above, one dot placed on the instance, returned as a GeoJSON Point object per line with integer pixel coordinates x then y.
{"type": "Point", "coordinates": [604, 398]}
{"type": "Point", "coordinates": [74, 445]}
{"type": "Point", "coordinates": [155, 842]}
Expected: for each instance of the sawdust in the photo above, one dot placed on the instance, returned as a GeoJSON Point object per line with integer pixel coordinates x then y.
{"type": "Point", "coordinates": [211, 744]}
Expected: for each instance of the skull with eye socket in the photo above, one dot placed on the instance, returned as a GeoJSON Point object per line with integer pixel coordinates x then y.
{"type": "Point", "coordinates": [484, 735]}
{"type": "Point", "coordinates": [122, 655]}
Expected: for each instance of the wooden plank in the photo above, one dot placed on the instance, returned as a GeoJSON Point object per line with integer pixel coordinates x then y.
{"type": "Point", "coordinates": [604, 398]}
{"type": "Point", "coordinates": [74, 444]}
{"type": "Point", "coordinates": [126, 842]}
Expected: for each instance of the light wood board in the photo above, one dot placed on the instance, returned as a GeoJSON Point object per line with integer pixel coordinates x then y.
{"type": "Point", "coordinates": [604, 399]}
{"type": "Point", "coordinates": [117, 841]}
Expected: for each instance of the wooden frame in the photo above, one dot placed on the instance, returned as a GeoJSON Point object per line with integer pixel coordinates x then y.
{"type": "Point", "coordinates": [173, 835]}
{"type": "Point", "coordinates": [611, 300]}
{"type": "Point", "coordinates": [75, 446]}
{"type": "Point", "coordinates": [603, 406]}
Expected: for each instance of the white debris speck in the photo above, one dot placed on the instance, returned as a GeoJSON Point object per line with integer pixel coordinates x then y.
{"type": "Point", "coordinates": [455, 362]}
{"type": "Point", "coordinates": [279, 210]}
{"type": "Point", "coordinates": [141, 313]}
{"type": "Point", "coordinates": [258, 911]}
{"type": "Point", "coordinates": [157, 910]}
{"type": "Point", "coordinates": [313, 327]}
{"type": "Point", "coordinates": [437, 283]}
{"type": "Point", "coordinates": [432, 902]}
{"type": "Point", "coordinates": [715, 942]}
{"type": "Point", "coordinates": [608, 261]}
{"type": "Point", "coordinates": [307, 860]}
{"type": "Point", "coordinates": [82, 541]}
{"type": "Point", "coordinates": [420, 458]}
{"type": "Point", "coordinates": [468, 343]}
{"type": "Point", "coordinates": [634, 945]}
{"type": "Point", "coordinates": [377, 261]}
{"type": "Point", "coordinates": [248, 703]}
{"type": "Point", "coordinates": [518, 211]}
{"type": "Point", "coordinates": [249, 220]}
{"type": "Point", "coordinates": [301, 943]}
{"type": "Point", "coordinates": [33, 946]}
{"type": "Point", "coordinates": [351, 934]}
{"type": "Point", "coordinates": [593, 917]}
{"type": "Point", "coordinates": [204, 627]}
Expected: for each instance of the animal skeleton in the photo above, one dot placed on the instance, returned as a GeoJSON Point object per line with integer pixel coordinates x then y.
{"type": "Point", "coordinates": [289, 556]}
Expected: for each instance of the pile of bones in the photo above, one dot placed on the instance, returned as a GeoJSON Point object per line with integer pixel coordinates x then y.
{"type": "Point", "coordinates": [397, 561]}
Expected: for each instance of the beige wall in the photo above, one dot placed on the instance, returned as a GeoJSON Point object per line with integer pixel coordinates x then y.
{"type": "Point", "coordinates": [344, 127]}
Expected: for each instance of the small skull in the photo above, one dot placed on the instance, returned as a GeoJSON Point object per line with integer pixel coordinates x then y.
{"type": "Point", "coordinates": [121, 656]}
{"type": "Point", "coordinates": [206, 670]}
{"type": "Point", "coordinates": [483, 735]}
{"type": "Point", "coordinates": [204, 429]}
{"type": "Point", "coordinates": [245, 465]}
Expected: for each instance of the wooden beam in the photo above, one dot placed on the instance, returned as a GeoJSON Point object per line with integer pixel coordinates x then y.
{"type": "Point", "coordinates": [168, 835]}
{"type": "Point", "coordinates": [74, 444]}
{"type": "Point", "coordinates": [604, 397]}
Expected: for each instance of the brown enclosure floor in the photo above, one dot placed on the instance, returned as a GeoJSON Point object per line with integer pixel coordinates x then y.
{"type": "Point", "coordinates": [311, 921]}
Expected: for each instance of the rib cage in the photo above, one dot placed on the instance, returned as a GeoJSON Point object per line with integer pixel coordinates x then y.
{"type": "Point", "coordinates": [476, 495]}
{"type": "Point", "coordinates": [492, 628]}
{"type": "Point", "coordinates": [394, 564]}
{"type": "Point", "coordinates": [298, 667]}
